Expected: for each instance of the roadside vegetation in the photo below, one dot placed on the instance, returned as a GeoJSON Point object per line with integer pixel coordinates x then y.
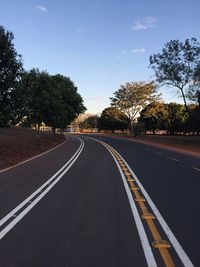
{"type": "Point", "coordinates": [142, 110]}
{"type": "Point", "coordinates": [34, 98]}
{"type": "Point", "coordinates": [30, 100]}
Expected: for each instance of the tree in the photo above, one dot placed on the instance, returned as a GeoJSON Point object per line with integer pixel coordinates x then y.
{"type": "Point", "coordinates": [193, 122]}
{"type": "Point", "coordinates": [113, 119]}
{"type": "Point", "coordinates": [194, 88]}
{"type": "Point", "coordinates": [90, 122]}
{"type": "Point", "coordinates": [176, 118]}
{"type": "Point", "coordinates": [177, 64]}
{"type": "Point", "coordinates": [35, 87]}
{"type": "Point", "coordinates": [132, 97]}
{"type": "Point", "coordinates": [10, 71]}
{"type": "Point", "coordinates": [154, 116]}
{"type": "Point", "coordinates": [160, 116]}
{"type": "Point", "coordinates": [64, 103]}
{"type": "Point", "coordinates": [78, 123]}
{"type": "Point", "coordinates": [53, 100]}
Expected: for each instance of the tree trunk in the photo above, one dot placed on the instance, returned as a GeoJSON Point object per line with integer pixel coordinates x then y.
{"type": "Point", "coordinates": [185, 104]}
{"type": "Point", "coordinates": [132, 128]}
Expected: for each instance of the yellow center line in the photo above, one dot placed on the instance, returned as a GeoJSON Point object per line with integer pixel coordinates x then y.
{"type": "Point", "coordinates": [158, 243]}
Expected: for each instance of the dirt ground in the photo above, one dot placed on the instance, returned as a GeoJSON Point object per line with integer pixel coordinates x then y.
{"type": "Point", "coordinates": [19, 144]}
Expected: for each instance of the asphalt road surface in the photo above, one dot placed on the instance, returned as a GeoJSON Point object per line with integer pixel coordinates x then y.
{"type": "Point", "coordinates": [101, 202]}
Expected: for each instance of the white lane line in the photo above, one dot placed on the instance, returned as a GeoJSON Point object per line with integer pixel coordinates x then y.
{"type": "Point", "coordinates": [7, 217]}
{"type": "Point", "coordinates": [142, 234]}
{"type": "Point", "coordinates": [148, 149]}
{"type": "Point", "coordinates": [159, 153]}
{"type": "Point", "coordinates": [33, 157]}
{"type": "Point", "coordinates": [174, 159]}
{"type": "Point", "coordinates": [35, 201]}
{"type": "Point", "coordinates": [196, 169]}
{"type": "Point", "coordinates": [179, 250]}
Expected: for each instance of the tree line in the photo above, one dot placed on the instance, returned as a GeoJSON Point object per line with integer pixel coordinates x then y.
{"type": "Point", "coordinates": [31, 98]}
{"type": "Point", "coordinates": [137, 106]}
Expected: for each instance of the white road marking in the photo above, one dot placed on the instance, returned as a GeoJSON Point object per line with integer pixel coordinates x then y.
{"type": "Point", "coordinates": [196, 169]}
{"type": "Point", "coordinates": [181, 253]}
{"type": "Point", "coordinates": [179, 250]}
{"type": "Point", "coordinates": [60, 172]}
{"type": "Point", "coordinates": [33, 157]}
{"type": "Point", "coordinates": [142, 234]}
{"type": "Point", "coordinates": [159, 153]}
{"type": "Point", "coordinates": [174, 159]}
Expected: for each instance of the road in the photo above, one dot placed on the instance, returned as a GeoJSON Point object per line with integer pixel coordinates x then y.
{"type": "Point", "coordinates": [101, 201]}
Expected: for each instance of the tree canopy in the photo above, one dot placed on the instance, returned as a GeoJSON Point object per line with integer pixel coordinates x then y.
{"type": "Point", "coordinates": [177, 65]}
{"type": "Point", "coordinates": [113, 119]}
{"type": "Point", "coordinates": [170, 118]}
{"type": "Point", "coordinates": [10, 71]}
{"type": "Point", "coordinates": [132, 97]}
{"type": "Point", "coordinates": [53, 100]}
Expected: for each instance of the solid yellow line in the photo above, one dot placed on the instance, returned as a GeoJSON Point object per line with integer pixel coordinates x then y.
{"type": "Point", "coordinates": [155, 233]}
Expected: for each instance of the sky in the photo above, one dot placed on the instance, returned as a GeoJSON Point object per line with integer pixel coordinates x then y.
{"type": "Point", "coordinates": [99, 44]}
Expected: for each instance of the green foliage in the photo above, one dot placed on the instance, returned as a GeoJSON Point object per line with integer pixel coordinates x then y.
{"type": "Point", "coordinates": [177, 65]}
{"type": "Point", "coordinates": [194, 89]}
{"type": "Point", "coordinates": [64, 103]}
{"type": "Point", "coordinates": [10, 71]}
{"type": "Point", "coordinates": [176, 118]}
{"type": "Point", "coordinates": [168, 117]}
{"type": "Point", "coordinates": [154, 116]}
{"type": "Point", "coordinates": [53, 100]}
{"type": "Point", "coordinates": [89, 123]}
{"type": "Point", "coordinates": [134, 96]}
{"type": "Point", "coordinates": [114, 119]}
{"type": "Point", "coordinates": [193, 122]}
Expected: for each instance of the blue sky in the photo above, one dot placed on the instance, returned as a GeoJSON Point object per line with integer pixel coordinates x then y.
{"type": "Point", "coordinates": [99, 44]}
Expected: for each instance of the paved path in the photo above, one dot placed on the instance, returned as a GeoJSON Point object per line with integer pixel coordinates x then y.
{"type": "Point", "coordinates": [82, 205]}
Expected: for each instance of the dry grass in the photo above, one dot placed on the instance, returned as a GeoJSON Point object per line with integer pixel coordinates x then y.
{"type": "Point", "coordinates": [18, 144]}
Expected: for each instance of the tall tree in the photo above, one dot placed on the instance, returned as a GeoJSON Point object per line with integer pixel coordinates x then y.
{"type": "Point", "coordinates": [53, 100]}
{"type": "Point", "coordinates": [35, 86]}
{"type": "Point", "coordinates": [64, 103]}
{"type": "Point", "coordinates": [177, 64]}
{"type": "Point", "coordinates": [194, 88]}
{"type": "Point", "coordinates": [132, 97]}
{"type": "Point", "coordinates": [10, 71]}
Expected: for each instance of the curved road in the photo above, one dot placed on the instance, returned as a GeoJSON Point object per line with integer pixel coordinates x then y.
{"type": "Point", "coordinates": [109, 203]}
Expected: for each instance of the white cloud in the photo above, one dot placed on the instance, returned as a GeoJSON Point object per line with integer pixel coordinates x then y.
{"type": "Point", "coordinates": [147, 22]}
{"type": "Point", "coordinates": [42, 8]}
{"type": "Point", "coordinates": [138, 25]}
{"type": "Point", "coordinates": [129, 52]}
{"type": "Point", "coordinates": [139, 50]}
